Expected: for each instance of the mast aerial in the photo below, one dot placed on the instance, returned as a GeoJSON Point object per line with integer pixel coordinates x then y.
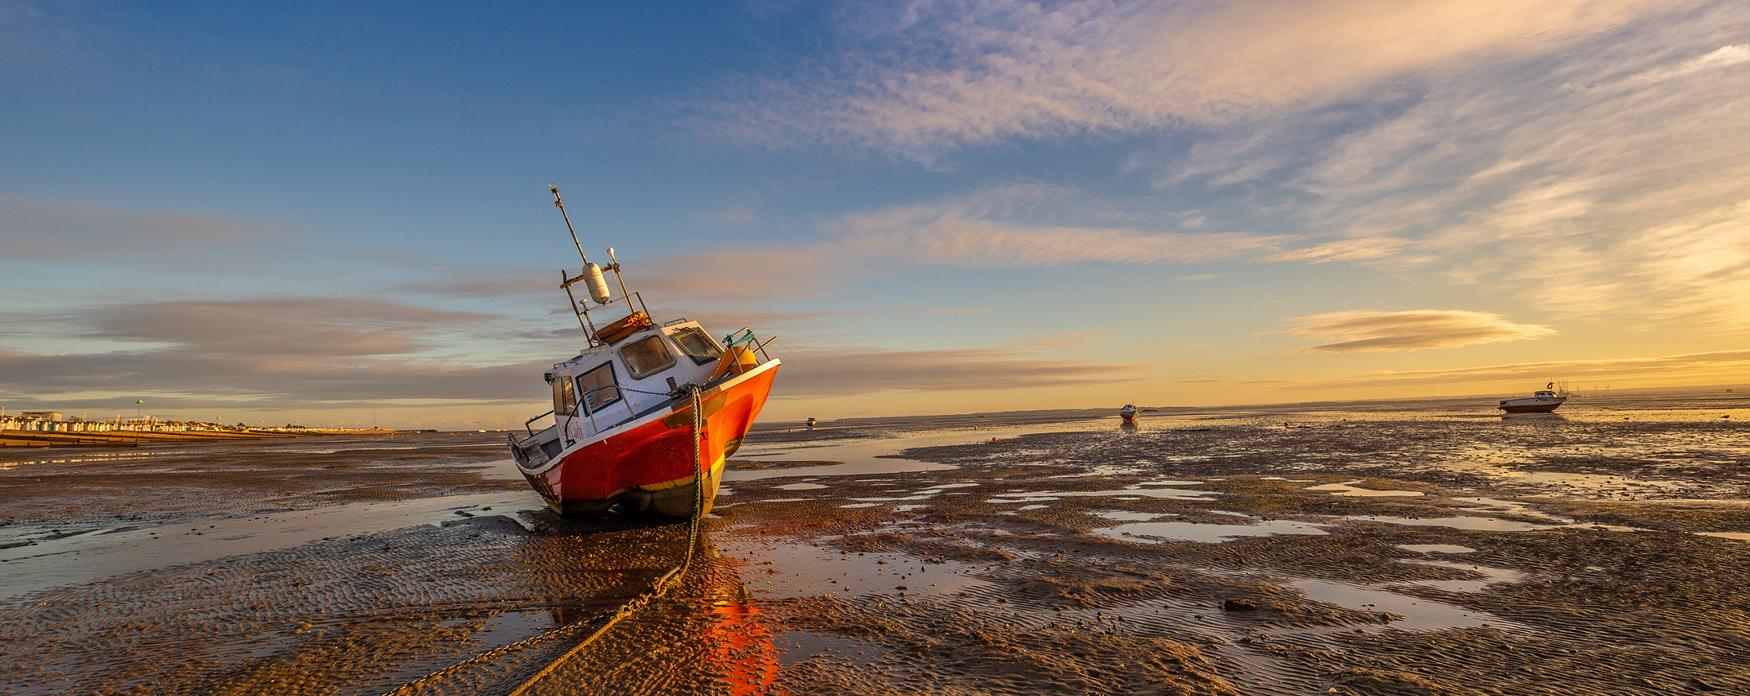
{"type": "Point", "coordinates": [592, 279]}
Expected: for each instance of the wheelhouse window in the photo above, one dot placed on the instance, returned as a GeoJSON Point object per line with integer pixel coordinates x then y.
{"type": "Point", "coordinates": [598, 387]}
{"type": "Point", "coordinates": [564, 397]}
{"type": "Point", "coordinates": [646, 356]}
{"type": "Point", "coordinates": [696, 344]}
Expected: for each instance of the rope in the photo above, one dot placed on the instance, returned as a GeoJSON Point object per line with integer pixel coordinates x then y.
{"type": "Point", "coordinates": [657, 589]}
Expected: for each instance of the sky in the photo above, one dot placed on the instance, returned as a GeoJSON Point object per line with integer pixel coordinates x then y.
{"type": "Point", "coordinates": [337, 213]}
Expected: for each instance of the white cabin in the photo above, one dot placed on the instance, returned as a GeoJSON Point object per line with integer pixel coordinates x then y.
{"type": "Point", "coordinates": [611, 384]}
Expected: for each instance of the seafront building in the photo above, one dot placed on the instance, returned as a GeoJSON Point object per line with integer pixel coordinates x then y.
{"type": "Point", "coordinates": [55, 422]}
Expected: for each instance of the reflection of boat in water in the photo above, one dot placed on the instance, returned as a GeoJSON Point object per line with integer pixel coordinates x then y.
{"type": "Point", "coordinates": [1543, 400]}
{"type": "Point", "coordinates": [742, 646]}
{"type": "Point", "coordinates": [709, 636]}
{"type": "Point", "coordinates": [1128, 413]}
{"type": "Point", "coordinates": [623, 431]}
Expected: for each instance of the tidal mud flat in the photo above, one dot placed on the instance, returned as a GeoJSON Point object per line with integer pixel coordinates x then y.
{"type": "Point", "coordinates": [1420, 547]}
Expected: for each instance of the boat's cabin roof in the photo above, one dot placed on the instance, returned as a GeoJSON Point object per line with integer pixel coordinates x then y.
{"type": "Point", "coordinates": [1545, 393]}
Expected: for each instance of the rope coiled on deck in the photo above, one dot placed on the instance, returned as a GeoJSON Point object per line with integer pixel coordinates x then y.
{"type": "Point", "coordinates": [657, 589]}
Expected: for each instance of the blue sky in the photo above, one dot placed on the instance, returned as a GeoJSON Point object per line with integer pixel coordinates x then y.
{"type": "Point", "coordinates": [320, 212]}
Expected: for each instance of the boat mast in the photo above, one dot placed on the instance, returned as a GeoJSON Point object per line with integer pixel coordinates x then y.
{"type": "Point", "coordinates": [560, 204]}
{"type": "Point", "coordinates": [591, 276]}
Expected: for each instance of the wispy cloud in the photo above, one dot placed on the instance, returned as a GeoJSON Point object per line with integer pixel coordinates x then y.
{"type": "Point", "coordinates": [1727, 366]}
{"type": "Point", "coordinates": [56, 230]}
{"type": "Point", "coordinates": [1344, 250]}
{"type": "Point", "coordinates": [934, 75]}
{"type": "Point", "coordinates": [952, 236]}
{"type": "Point", "coordinates": [1377, 331]}
{"type": "Point", "coordinates": [278, 327]}
{"type": "Point", "coordinates": [284, 353]}
{"type": "Point", "coordinates": [1724, 56]}
{"type": "Point", "coordinates": [164, 378]}
{"type": "Point", "coordinates": [823, 372]}
{"type": "Point", "coordinates": [740, 274]}
{"type": "Point", "coordinates": [1623, 197]}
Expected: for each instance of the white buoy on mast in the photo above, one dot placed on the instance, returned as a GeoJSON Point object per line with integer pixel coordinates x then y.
{"type": "Point", "coordinates": [597, 283]}
{"type": "Point", "coordinates": [592, 274]}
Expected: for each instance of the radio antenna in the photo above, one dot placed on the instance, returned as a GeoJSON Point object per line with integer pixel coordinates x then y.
{"type": "Point", "coordinates": [560, 204]}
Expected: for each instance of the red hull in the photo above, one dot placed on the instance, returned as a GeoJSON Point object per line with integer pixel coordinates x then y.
{"type": "Point", "coordinates": [648, 464]}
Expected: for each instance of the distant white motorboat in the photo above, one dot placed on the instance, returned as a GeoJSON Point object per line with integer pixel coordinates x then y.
{"type": "Point", "coordinates": [1128, 413]}
{"type": "Point", "coordinates": [1542, 401]}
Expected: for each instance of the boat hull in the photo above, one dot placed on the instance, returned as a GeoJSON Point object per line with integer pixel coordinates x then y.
{"type": "Point", "coordinates": [648, 465]}
{"type": "Point", "coordinates": [1531, 408]}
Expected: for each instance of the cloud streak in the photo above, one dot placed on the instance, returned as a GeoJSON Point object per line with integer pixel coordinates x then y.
{"type": "Point", "coordinates": [279, 353]}
{"type": "Point", "coordinates": [822, 372]}
{"type": "Point", "coordinates": [65, 231]}
{"type": "Point", "coordinates": [955, 74]}
{"type": "Point", "coordinates": [1362, 331]}
{"type": "Point", "coordinates": [1728, 366]}
{"type": "Point", "coordinates": [1600, 182]}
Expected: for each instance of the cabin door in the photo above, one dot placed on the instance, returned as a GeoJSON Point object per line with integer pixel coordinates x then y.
{"type": "Point", "coordinates": [565, 409]}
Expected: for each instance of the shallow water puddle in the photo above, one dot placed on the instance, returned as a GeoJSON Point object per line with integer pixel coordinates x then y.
{"type": "Point", "coordinates": [1149, 489]}
{"type": "Point", "coordinates": [803, 570]}
{"type": "Point", "coordinates": [83, 458]}
{"type": "Point", "coordinates": [1466, 522]}
{"type": "Point", "coordinates": [1495, 524]}
{"type": "Point", "coordinates": [1157, 532]}
{"type": "Point", "coordinates": [869, 456]}
{"type": "Point", "coordinates": [1348, 488]}
{"type": "Point", "coordinates": [1103, 470]}
{"type": "Point", "coordinates": [1418, 614]}
{"type": "Point", "coordinates": [797, 646]}
{"type": "Point", "coordinates": [89, 557]}
{"type": "Point", "coordinates": [1739, 536]}
{"type": "Point", "coordinates": [1436, 548]}
{"type": "Point", "coordinates": [1493, 462]}
{"type": "Point", "coordinates": [800, 487]}
{"type": "Point", "coordinates": [1491, 576]}
{"type": "Point", "coordinates": [1512, 507]}
{"type": "Point", "coordinates": [1128, 516]}
{"type": "Point", "coordinates": [762, 500]}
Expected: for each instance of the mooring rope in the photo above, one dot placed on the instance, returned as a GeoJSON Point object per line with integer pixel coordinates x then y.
{"type": "Point", "coordinates": [657, 589]}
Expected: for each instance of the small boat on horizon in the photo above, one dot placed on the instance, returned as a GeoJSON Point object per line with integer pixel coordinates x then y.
{"type": "Point", "coordinates": [1128, 413]}
{"type": "Point", "coordinates": [624, 431]}
{"type": "Point", "coordinates": [1543, 400]}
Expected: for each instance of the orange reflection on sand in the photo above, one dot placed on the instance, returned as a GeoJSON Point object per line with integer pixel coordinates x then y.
{"type": "Point", "coordinates": [742, 645]}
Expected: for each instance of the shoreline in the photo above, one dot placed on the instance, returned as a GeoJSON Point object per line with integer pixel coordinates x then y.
{"type": "Point", "coordinates": [129, 438]}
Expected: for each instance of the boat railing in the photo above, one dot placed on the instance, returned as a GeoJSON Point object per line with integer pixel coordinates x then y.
{"type": "Point", "coordinates": [634, 304]}
{"type": "Point", "coordinates": [528, 424]}
{"type": "Point", "coordinates": [746, 337]}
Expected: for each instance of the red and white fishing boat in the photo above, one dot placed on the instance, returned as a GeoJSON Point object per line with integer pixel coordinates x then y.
{"type": "Point", "coordinates": [1128, 413]}
{"type": "Point", "coordinates": [623, 420]}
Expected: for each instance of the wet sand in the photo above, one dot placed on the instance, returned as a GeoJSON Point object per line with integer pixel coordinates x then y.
{"type": "Point", "coordinates": [1422, 547]}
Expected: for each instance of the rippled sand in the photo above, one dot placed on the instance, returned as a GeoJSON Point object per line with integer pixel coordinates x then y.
{"type": "Point", "coordinates": [1424, 547]}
